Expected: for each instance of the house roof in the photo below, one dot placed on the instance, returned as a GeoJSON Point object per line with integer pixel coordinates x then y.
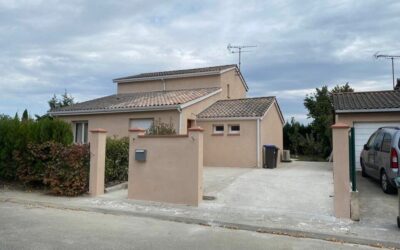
{"type": "Point", "coordinates": [144, 101]}
{"type": "Point", "coordinates": [238, 108]}
{"type": "Point", "coordinates": [215, 69]}
{"type": "Point", "coordinates": [371, 101]}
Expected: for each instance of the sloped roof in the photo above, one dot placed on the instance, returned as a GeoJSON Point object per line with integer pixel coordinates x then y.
{"type": "Point", "coordinates": [371, 101]}
{"type": "Point", "coordinates": [238, 108]}
{"type": "Point", "coordinates": [215, 69]}
{"type": "Point", "coordinates": [137, 101]}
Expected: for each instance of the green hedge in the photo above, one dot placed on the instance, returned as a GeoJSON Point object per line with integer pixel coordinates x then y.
{"type": "Point", "coordinates": [117, 158]}
{"type": "Point", "coordinates": [63, 169]}
{"type": "Point", "coordinates": [16, 135]}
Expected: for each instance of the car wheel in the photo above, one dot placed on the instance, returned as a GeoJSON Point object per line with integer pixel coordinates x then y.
{"type": "Point", "coordinates": [363, 173]}
{"type": "Point", "coordinates": [398, 221]}
{"type": "Point", "coordinates": [385, 184]}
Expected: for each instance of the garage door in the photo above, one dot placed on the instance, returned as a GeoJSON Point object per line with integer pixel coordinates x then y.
{"type": "Point", "coordinates": [363, 131]}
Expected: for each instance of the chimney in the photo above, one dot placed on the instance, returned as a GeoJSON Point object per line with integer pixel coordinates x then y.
{"type": "Point", "coordinates": [397, 87]}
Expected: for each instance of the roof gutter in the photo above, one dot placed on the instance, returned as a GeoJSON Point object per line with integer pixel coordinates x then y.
{"type": "Point", "coordinates": [121, 110]}
{"type": "Point", "coordinates": [228, 118]}
{"type": "Point", "coordinates": [141, 79]}
{"type": "Point", "coordinates": [366, 110]}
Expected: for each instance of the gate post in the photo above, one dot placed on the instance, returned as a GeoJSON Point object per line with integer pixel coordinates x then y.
{"type": "Point", "coordinates": [341, 177]}
{"type": "Point", "coordinates": [97, 161]}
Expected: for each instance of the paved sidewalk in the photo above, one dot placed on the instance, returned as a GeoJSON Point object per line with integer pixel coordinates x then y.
{"type": "Point", "coordinates": [319, 227]}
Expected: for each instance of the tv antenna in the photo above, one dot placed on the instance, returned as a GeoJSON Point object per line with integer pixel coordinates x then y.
{"type": "Point", "coordinates": [391, 57]}
{"type": "Point", "coordinates": [238, 49]}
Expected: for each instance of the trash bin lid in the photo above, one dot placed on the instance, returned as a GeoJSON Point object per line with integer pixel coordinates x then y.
{"type": "Point", "coordinates": [397, 180]}
{"type": "Point", "coordinates": [270, 146]}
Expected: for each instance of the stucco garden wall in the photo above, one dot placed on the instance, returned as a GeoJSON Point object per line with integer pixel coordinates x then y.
{"type": "Point", "coordinates": [172, 171]}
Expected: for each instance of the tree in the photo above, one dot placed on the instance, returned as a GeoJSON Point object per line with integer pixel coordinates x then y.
{"type": "Point", "coordinates": [64, 101]}
{"type": "Point", "coordinates": [25, 116]}
{"type": "Point", "coordinates": [320, 109]}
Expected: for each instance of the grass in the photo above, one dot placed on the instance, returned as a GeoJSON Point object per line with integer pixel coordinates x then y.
{"type": "Point", "coordinates": [308, 158]}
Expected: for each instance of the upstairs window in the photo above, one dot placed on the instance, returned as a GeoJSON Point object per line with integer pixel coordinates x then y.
{"type": "Point", "coordinates": [234, 129]}
{"type": "Point", "coordinates": [81, 132]}
{"type": "Point", "coordinates": [218, 129]}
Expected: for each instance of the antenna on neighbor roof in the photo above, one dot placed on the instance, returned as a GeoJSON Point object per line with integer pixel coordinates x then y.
{"type": "Point", "coordinates": [391, 57]}
{"type": "Point", "coordinates": [238, 49]}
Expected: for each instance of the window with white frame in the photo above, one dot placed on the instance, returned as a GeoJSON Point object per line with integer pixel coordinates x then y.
{"type": "Point", "coordinates": [234, 129]}
{"type": "Point", "coordinates": [81, 130]}
{"type": "Point", "coordinates": [218, 129]}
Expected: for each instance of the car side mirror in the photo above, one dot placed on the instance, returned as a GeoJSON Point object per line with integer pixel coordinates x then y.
{"type": "Point", "coordinates": [366, 147]}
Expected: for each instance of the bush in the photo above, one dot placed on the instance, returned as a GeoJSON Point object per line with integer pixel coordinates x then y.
{"type": "Point", "coordinates": [63, 169]}
{"type": "Point", "coordinates": [117, 159]}
{"type": "Point", "coordinates": [68, 174]}
{"type": "Point", "coordinates": [17, 134]}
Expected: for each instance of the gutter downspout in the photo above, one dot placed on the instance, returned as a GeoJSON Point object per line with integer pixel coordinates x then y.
{"type": "Point", "coordinates": [258, 143]}
{"type": "Point", "coordinates": [180, 120]}
{"type": "Point", "coordinates": [163, 81]}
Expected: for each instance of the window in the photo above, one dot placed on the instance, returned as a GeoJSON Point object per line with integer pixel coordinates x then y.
{"type": "Point", "coordinates": [81, 132]}
{"type": "Point", "coordinates": [234, 129]}
{"type": "Point", "coordinates": [218, 129]}
{"type": "Point", "coordinates": [370, 142]}
{"type": "Point", "coordinates": [141, 123]}
{"type": "Point", "coordinates": [378, 141]}
{"type": "Point", "coordinates": [386, 144]}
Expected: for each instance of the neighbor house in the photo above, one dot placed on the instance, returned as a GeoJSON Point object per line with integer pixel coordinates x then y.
{"type": "Point", "coordinates": [366, 112]}
{"type": "Point", "coordinates": [214, 98]}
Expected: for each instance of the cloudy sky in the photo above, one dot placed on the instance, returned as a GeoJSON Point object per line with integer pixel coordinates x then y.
{"type": "Point", "coordinates": [49, 46]}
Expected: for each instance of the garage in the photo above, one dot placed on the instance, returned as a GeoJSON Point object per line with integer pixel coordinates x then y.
{"type": "Point", "coordinates": [362, 132]}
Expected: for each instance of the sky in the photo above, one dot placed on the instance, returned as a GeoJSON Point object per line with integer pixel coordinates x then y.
{"type": "Point", "coordinates": [47, 47]}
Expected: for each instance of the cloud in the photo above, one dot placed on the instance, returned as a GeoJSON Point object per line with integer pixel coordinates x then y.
{"type": "Point", "coordinates": [81, 45]}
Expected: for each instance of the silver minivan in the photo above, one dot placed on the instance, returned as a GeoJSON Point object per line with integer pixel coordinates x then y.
{"type": "Point", "coordinates": [380, 157]}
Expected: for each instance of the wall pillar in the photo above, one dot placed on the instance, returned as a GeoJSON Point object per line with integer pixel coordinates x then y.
{"type": "Point", "coordinates": [133, 135]}
{"type": "Point", "coordinates": [97, 161]}
{"type": "Point", "coordinates": [196, 133]}
{"type": "Point", "coordinates": [341, 164]}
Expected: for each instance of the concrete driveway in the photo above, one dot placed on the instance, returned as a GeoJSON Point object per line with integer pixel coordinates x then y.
{"type": "Point", "coordinates": [376, 207]}
{"type": "Point", "coordinates": [296, 188]}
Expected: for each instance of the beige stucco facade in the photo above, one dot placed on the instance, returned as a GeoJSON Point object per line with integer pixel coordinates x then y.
{"type": "Point", "coordinates": [229, 81]}
{"type": "Point", "coordinates": [230, 150]}
{"type": "Point", "coordinates": [117, 124]}
{"type": "Point", "coordinates": [172, 171]}
{"type": "Point", "coordinates": [240, 150]}
{"type": "Point", "coordinates": [271, 129]}
{"type": "Point", "coordinates": [350, 118]}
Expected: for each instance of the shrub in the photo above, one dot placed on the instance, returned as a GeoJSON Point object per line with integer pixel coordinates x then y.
{"type": "Point", "coordinates": [17, 134]}
{"type": "Point", "coordinates": [63, 169]}
{"type": "Point", "coordinates": [161, 128]}
{"type": "Point", "coordinates": [68, 174]}
{"type": "Point", "coordinates": [117, 159]}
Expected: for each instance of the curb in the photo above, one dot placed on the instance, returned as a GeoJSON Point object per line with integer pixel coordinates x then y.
{"type": "Point", "coordinates": [117, 187]}
{"type": "Point", "coordinates": [216, 223]}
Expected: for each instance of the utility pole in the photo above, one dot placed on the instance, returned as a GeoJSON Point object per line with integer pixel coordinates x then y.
{"type": "Point", "coordinates": [391, 57]}
{"type": "Point", "coordinates": [238, 49]}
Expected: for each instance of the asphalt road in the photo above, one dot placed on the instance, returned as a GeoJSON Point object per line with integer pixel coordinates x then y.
{"type": "Point", "coordinates": [36, 227]}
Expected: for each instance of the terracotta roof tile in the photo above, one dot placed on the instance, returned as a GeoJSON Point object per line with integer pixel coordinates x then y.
{"type": "Point", "coordinates": [139, 100]}
{"type": "Point", "coordinates": [364, 101]}
{"type": "Point", "coordinates": [236, 108]}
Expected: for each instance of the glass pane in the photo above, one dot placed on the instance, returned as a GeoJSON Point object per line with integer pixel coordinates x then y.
{"type": "Point", "coordinates": [85, 133]}
{"type": "Point", "coordinates": [78, 133]}
{"type": "Point", "coordinates": [141, 123]}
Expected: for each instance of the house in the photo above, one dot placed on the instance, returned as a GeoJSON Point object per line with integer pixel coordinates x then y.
{"type": "Point", "coordinates": [213, 97]}
{"type": "Point", "coordinates": [366, 112]}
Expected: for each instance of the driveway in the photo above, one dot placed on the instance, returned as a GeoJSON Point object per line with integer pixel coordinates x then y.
{"type": "Point", "coordinates": [296, 188]}
{"type": "Point", "coordinates": [376, 207]}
